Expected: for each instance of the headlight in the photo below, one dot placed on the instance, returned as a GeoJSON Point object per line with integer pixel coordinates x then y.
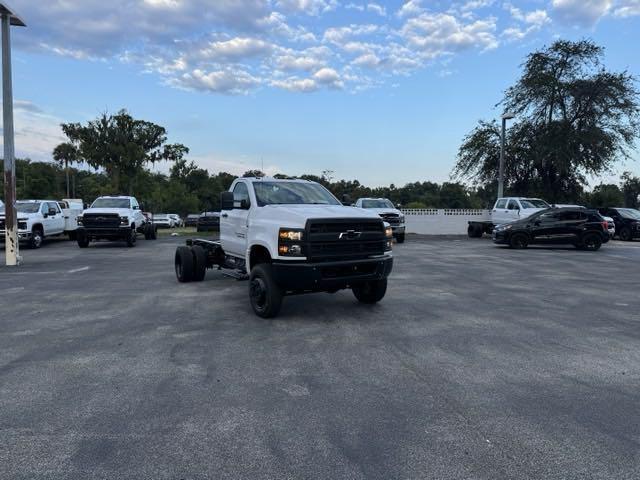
{"type": "Point", "coordinates": [79, 220]}
{"type": "Point", "coordinates": [291, 235]}
{"type": "Point", "coordinates": [388, 231]}
{"type": "Point", "coordinates": [124, 220]}
{"type": "Point", "coordinates": [287, 245]}
{"type": "Point", "coordinates": [401, 218]}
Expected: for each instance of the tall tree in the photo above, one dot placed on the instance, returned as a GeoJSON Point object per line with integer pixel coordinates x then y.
{"type": "Point", "coordinates": [65, 154]}
{"type": "Point", "coordinates": [121, 145]}
{"type": "Point", "coordinates": [575, 119]}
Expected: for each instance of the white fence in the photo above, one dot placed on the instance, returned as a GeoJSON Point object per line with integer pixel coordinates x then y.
{"type": "Point", "coordinates": [431, 221]}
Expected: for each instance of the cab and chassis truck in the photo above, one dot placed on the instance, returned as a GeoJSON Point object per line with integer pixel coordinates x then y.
{"type": "Point", "coordinates": [290, 237]}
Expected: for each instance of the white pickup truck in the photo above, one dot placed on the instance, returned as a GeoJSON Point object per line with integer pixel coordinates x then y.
{"type": "Point", "coordinates": [388, 212]}
{"type": "Point", "coordinates": [40, 219]}
{"type": "Point", "coordinates": [290, 237]}
{"type": "Point", "coordinates": [506, 210]}
{"type": "Point", "coordinates": [114, 218]}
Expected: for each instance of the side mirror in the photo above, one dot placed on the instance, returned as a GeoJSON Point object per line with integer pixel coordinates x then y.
{"type": "Point", "coordinates": [52, 211]}
{"type": "Point", "coordinates": [226, 200]}
{"type": "Point", "coordinates": [346, 199]}
{"type": "Point", "coordinates": [244, 204]}
{"type": "Point", "coordinates": [137, 207]}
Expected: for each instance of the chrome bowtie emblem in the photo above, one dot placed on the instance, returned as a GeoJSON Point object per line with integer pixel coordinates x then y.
{"type": "Point", "coordinates": [349, 234]}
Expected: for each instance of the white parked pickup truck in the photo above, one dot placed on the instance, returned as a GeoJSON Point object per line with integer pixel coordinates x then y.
{"type": "Point", "coordinates": [388, 212]}
{"type": "Point", "coordinates": [290, 237]}
{"type": "Point", "coordinates": [506, 210]}
{"type": "Point", "coordinates": [114, 218]}
{"type": "Point", "coordinates": [40, 219]}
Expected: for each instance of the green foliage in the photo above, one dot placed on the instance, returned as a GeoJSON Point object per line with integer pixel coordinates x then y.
{"type": "Point", "coordinates": [606, 195]}
{"type": "Point", "coordinates": [631, 190]}
{"type": "Point", "coordinates": [574, 119]}
{"type": "Point", "coordinates": [120, 145]}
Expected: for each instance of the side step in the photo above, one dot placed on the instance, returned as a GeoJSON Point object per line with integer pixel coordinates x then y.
{"type": "Point", "coordinates": [239, 276]}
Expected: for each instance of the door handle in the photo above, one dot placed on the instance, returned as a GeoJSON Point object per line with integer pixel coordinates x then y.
{"type": "Point", "coordinates": [224, 215]}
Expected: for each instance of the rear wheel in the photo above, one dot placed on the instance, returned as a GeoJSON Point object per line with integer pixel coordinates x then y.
{"type": "Point", "coordinates": [519, 241]}
{"type": "Point", "coordinates": [474, 231]}
{"type": "Point", "coordinates": [200, 263]}
{"type": "Point", "coordinates": [370, 292]}
{"type": "Point", "coordinates": [625, 234]}
{"type": "Point", "coordinates": [37, 237]}
{"type": "Point", "coordinates": [265, 295]}
{"type": "Point", "coordinates": [184, 264]}
{"type": "Point", "coordinates": [591, 242]}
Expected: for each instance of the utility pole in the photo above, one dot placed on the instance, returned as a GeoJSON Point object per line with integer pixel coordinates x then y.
{"type": "Point", "coordinates": [505, 117]}
{"type": "Point", "coordinates": [12, 249]}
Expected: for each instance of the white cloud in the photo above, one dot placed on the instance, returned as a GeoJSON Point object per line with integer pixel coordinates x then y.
{"type": "Point", "coordinates": [230, 81]}
{"type": "Point", "coordinates": [410, 8]}
{"type": "Point", "coordinates": [581, 13]}
{"type": "Point", "coordinates": [437, 34]}
{"type": "Point", "coordinates": [310, 7]}
{"type": "Point", "coordinates": [627, 8]}
{"type": "Point", "coordinates": [37, 132]}
{"type": "Point", "coordinates": [295, 84]}
{"type": "Point", "coordinates": [377, 9]}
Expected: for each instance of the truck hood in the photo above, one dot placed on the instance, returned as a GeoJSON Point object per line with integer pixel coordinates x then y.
{"type": "Point", "coordinates": [384, 211]}
{"type": "Point", "coordinates": [22, 216]}
{"type": "Point", "coordinates": [123, 212]}
{"type": "Point", "coordinates": [296, 216]}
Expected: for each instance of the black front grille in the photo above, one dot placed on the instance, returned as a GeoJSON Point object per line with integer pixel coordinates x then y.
{"type": "Point", "coordinates": [391, 218]}
{"type": "Point", "coordinates": [344, 239]}
{"type": "Point", "coordinates": [101, 220]}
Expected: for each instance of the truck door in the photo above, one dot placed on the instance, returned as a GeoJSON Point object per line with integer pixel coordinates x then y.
{"type": "Point", "coordinates": [52, 218]}
{"type": "Point", "coordinates": [233, 227]}
{"type": "Point", "coordinates": [499, 214]}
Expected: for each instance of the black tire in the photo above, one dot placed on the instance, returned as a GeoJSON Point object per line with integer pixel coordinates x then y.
{"type": "Point", "coordinates": [73, 236]}
{"type": "Point", "coordinates": [147, 231]}
{"type": "Point", "coordinates": [131, 238]}
{"type": "Point", "coordinates": [200, 263]}
{"type": "Point", "coordinates": [83, 240]}
{"type": "Point", "coordinates": [474, 231]}
{"type": "Point", "coordinates": [370, 292]}
{"type": "Point", "coordinates": [400, 238]}
{"type": "Point", "coordinates": [591, 242]}
{"type": "Point", "coordinates": [184, 264]}
{"type": "Point", "coordinates": [37, 238]}
{"type": "Point", "coordinates": [264, 294]}
{"type": "Point", "coordinates": [519, 241]}
{"type": "Point", "coordinates": [625, 234]}
{"type": "Point", "coordinates": [154, 232]}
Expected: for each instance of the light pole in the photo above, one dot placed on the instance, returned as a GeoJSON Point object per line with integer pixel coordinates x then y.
{"type": "Point", "coordinates": [8, 18]}
{"type": "Point", "coordinates": [505, 117]}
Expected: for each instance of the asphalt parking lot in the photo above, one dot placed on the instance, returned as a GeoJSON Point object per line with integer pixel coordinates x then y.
{"type": "Point", "coordinates": [481, 363]}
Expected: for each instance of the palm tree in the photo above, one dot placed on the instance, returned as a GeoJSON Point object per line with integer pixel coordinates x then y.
{"type": "Point", "coordinates": [64, 154]}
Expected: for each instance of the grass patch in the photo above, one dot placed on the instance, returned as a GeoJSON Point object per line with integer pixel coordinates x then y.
{"type": "Point", "coordinates": [186, 232]}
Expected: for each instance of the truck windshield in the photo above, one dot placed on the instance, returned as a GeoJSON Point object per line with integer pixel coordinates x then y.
{"type": "Point", "coordinates": [534, 203]}
{"type": "Point", "coordinates": [111, 203]}
{"type": "Point", "coordinates": [30, 207]}
{"type": "Point", "coordinates": [380, 203]}
{"type": "Point", "coordinates": [292, 193]}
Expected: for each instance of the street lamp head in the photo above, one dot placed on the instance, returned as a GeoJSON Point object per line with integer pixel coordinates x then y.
{"type": "Point", "coordinates": [11, 13]}
{"type": "Point", "coordinates": [508, 116]}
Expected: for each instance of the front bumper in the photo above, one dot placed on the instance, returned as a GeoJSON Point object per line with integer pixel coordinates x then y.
{"type": "Point", "coordinates": [109, 232]}
{"type": "Point", "coordinates": [22, 235]}
{"type": "Point", "coordinates": [501, 238]}
{"type": "Point", "coordinates": [330, 276]}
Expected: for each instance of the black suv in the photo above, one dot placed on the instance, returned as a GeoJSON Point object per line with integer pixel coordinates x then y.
{"type": "Point", "coordinates": [586, 229]}
{"type": "Point", "coordinates": [627, 222]}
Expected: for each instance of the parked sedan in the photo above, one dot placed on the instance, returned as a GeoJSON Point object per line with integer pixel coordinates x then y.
{"type": "Point", "coordinates": [208, 222]}
{"type": "Point", "coordinates": [585, 229]}
{"type": "Point", "coordinates": [162, 220]}
{"type": "Point", "coordinates": [191, 220]}
{"type": "Point", "coordinates": [627, 221]}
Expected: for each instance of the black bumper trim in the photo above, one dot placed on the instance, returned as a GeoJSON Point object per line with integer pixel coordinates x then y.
{"type": "Point", "coordinates": [324, 276]}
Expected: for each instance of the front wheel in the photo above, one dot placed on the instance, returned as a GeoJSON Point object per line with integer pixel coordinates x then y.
{"type": "Point", "coordinates": [83, 240]}
{"type": "Point", "coordinates": [131, 238]}
{"type": "Point", "coordinates": [37, 238]}
{"type": "Point", "coordinates": [519, 241]}
{"type": "Point", "coordinates": [370, 292]}
{"type": "Point", "coordinates": [400, 238]}
{"type": "Point", "coordinates": [184, 264]}
{"type": "Point", "coordinates": [265, 295]}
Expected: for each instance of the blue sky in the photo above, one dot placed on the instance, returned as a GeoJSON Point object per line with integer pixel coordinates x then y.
{"type": "Point", "coordinates": [378, 91]}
